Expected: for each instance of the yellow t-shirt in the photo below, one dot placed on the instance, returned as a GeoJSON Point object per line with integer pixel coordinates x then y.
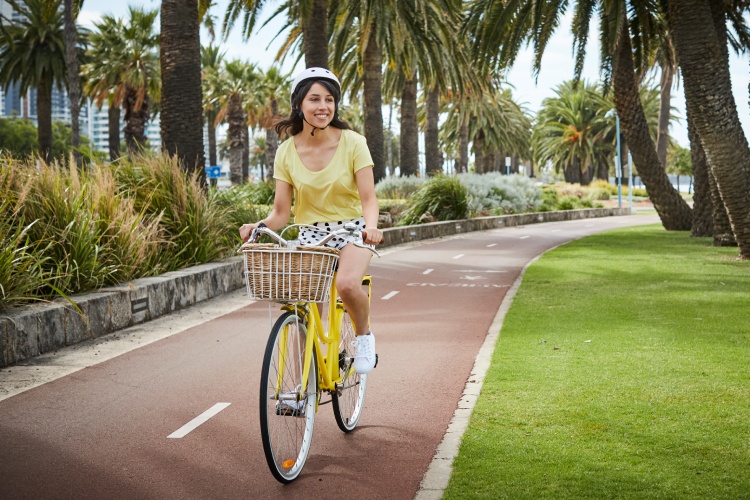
{"type": "Point", "coordinates": [331, 194]}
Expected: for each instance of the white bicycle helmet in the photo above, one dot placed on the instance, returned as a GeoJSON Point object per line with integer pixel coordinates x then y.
{"type": "Point", "coordinates": [312, 73]}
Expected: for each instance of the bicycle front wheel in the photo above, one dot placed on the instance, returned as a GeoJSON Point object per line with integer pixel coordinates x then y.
{"type": "Point", "coordinates": [287, 413]}
{"type": "Point", "coordinates": [349, 396]}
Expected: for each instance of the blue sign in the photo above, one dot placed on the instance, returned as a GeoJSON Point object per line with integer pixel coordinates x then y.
{"type": "Point", "coordinates": [213, 172]}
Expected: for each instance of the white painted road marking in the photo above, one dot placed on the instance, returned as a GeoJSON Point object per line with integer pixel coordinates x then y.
{"type": "Point", "coordinates": [524, 237]}
{"type": "Point", "coordinates": [197, 421]}
{"type": "Point", "coordinates": [492, 245]}
{"type": "Point", "coordinates": [478, 271]}
{"type": "Point", "coordinates": [428, 271]}
{"type": "Point", "coordinates": [388, 296]}
{"type": "Point", "coordinates": [458, 256]}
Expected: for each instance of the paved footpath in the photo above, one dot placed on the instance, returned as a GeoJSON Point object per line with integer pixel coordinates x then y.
{"type": "Point", "coordinates": [93, 421]}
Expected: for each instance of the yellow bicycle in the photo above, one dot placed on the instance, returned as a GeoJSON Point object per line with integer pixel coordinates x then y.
{"type": "Point", "coordinates": [306, 355]}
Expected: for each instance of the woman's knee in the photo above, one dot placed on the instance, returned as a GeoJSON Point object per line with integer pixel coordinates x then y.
{"type": "Point", "coordinates": [348, 286]}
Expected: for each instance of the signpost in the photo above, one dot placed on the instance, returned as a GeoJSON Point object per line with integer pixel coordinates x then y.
{"type": "Point", "coordinates": [213, 173]}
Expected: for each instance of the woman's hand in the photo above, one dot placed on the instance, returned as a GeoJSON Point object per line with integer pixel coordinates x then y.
{"type": "Point", "coordinates": [372, 236]}
{"type": "Point", "coordinates": [247, 229]}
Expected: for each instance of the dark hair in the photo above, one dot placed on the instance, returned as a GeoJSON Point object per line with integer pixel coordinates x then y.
{"type": "Point", "coordinates": [294, 124]}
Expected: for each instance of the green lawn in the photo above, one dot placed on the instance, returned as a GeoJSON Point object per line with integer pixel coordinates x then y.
{"type": "Point", "coordinates": [621, 371]}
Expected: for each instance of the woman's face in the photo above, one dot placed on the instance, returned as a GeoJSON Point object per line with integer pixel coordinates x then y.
{"type": "Point", "coordinates": [318, 106]}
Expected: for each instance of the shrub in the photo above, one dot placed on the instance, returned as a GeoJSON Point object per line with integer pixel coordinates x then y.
{"type": "Point", "coordinates": [440, 198]}
{"type": "Point", "coordinates": [497, 194]}
{"type": "Point", "coordinates": [398, 188]}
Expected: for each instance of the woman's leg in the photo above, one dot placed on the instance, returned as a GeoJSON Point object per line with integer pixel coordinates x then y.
{"type": "Point", "coordinates": [353, 263]}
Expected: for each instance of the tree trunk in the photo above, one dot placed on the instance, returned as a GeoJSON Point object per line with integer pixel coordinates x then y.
{"type": "Point", "coordinates": [237, 123]}
{"type": "Point", "coordinates": [73, 79]}
{"type": "Point", "coordinates": [409, 143]}
{"type": "Point", "coordinates": [702, 207]}
{"type": "Point", "coordinates": [245, 152]}
{"type": "Point", "coordinates": [272, 141]}
{"type": "Point", "coordinates": [673, 211]}
{"type": "Point", "coordinates": [373, 104]}
{"type": "Point", "coordinates": [462, 165]}
{"type": "Point", "coordinates": [44, 117]}
{"type": "Point", "coordinates": [433, 158]}
{"type": "Point", "coordinates": [665, 103]}
{"type": "Point", "coordinates": [479, 152]}
{"type": "Point", "coordinates": [210, 119]}
{"type": "Point", "coordinates": [135, 122]}
{"type": "Point", "coordinates": [709, 95]}
{"type": "Point", "coordinates": [182, 93]}
{"type": "Point", "coordinates": [113, 126]}
{"type": "Point", "coordinates": [315, 36]}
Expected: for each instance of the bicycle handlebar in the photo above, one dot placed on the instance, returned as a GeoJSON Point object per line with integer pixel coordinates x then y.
{"type": "Point", "coordinates": [349, 229]}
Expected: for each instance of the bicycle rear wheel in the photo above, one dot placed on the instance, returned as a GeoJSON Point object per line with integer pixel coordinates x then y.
{"type": "Point", "coordinates": [286, 415]}
{"type": "Point", "coordinates": [349, 397]}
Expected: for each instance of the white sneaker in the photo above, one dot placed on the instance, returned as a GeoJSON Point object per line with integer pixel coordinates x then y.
{"type": "Point", "coordinates": [365, 358]}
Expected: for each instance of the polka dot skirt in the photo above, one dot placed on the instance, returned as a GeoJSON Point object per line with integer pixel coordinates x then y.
{"type": "Point", "coordinates": [311, 235]}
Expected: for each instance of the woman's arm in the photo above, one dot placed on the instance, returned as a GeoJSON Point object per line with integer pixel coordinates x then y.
{"type": "Point", "coordinates": [370, 210]}
{"type": "Point", "coordinates": [279, 216]}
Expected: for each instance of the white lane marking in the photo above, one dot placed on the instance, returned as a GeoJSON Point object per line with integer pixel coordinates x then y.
{"type": "Point", "coordinates": [458, 256]}
{"type": "Point", "coordinates": [428, 271]}
{"type": "Point", "coordinates": [478, 271]}
{"type": "Point", "coordinates": [197, 421]}
{"type": "Point", "coordinates": [492, 245]}
{"type": "Point", "coordinates": [524, 237]}
{"type": "Point", "coordinates": [389, 295]}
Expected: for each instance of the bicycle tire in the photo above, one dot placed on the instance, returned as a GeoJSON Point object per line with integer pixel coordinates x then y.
{"type": "Point", "coordinates": [349, 396]}
{"type": "Point", "coordinates": [286, 431]}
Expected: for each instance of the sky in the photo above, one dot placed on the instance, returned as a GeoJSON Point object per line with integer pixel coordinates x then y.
{"type": "Point", "coordinates": [557, 63]}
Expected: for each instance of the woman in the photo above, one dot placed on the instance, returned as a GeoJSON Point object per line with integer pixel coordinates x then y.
{"type": "Point", "coordinates": [327, 169]}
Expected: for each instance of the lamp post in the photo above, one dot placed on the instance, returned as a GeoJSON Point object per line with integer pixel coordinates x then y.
{"type": "Point", "coordinates": [630, 181]}
{"type": "Point", "coordinates": [618, 158]}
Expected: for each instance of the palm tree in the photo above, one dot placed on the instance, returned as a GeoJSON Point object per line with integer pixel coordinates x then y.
{"type": "Point", "coordinates": [101, 79]}
{"type": "Point", "coordinates": [708, 94]}
{"type": "Point", "coordinates": [570, 128]}
{"type": "Point", "coordinates": [238, 77]}
{"type": "Point", "coordinates": [211, 61]}
{"type": "Point", "coordinates": [180, 63]}
{"type": "Point", "coordinates": [502, 28]}
{"type": "Point", "coordinates": [308, 18]}
{"type": "Point", "coordinates": [271, 103]}
{"type": "Point", "coordinates": [72, 70]}
{"type": "Point", "coordinates": [33, 55]}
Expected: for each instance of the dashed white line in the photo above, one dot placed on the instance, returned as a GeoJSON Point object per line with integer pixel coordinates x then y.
{"type": "Point", "coordinates": [197, 421]}
{"type": "Point", "coordinates": [428, 271]}
{"type": "Point", "coordinates": [458, 256]}
{"type": "Point", "coordinates": [492, 245]}
{"type": "Point", "coordinates": [524, 237]}
{"type": "Point", "coordinates": [388, 295]}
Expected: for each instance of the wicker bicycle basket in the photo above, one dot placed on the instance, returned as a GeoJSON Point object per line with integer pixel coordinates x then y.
{"type": "Point", "coordinates": [283, 274]}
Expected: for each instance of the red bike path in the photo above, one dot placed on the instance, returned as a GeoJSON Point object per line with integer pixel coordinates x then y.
{"type": "Point", "coordinates": [101, 432]}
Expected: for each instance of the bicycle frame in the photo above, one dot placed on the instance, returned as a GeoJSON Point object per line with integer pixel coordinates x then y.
{"type": "Point", "coordinates": [328, 364]}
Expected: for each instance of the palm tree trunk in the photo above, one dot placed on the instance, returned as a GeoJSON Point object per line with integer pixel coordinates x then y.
{"type": "Point", "coordinates": [44, 117]}
{"type": "Point", "coordinates": [665, 99]}
{"type": "Point", "coordinates": [245, 153]}
{"type": "Point", "coordinates": [182, 93]}
{"type": "Point", "coordinates": [272, 141]}
{"type": "Point", "coordinates": [373, 103]}
{"type": "Point", "coordinates": [210, 119]}
{"type": "Point", "coordinates": [73, 79]}
{"type": "Point", "coordinates": [432, 156]}
{"type": "Point", "coordinates": [237, 123]}
{"type": "Point", "coordinates": [113, 126]}
{"type": "Point", "coordinates": [673, 211]}
{"type": "Point", "coordinates": [135, 122]}
{"type": "Point", "coordinates": [315, 37]}
{"type": "Point", "coordinates": [702, 207]}
{"type": "Point", "coordinates": [479, 152]}
{"type": "Point", "coordinates": [708, 89]}
{"type": "Point", "coordinates": [463, 146]}
{"type": "Point", "coordinates": [409, 142]}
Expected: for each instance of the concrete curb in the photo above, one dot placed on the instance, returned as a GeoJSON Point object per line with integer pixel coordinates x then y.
{"type": "Point", "coordinates": [33, 330]}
